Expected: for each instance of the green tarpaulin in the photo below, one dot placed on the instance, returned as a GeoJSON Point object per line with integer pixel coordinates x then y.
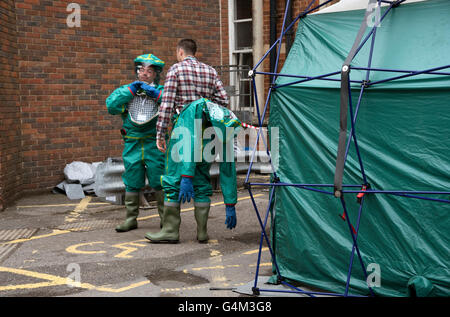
{"type": "Point", "coordinates": [403, 133]}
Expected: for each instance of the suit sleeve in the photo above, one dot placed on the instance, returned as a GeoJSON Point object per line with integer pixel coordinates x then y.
{"type": "Point", "coordinates": [117, 101]}
{"type": "Point", "coordinates": [228, 182]}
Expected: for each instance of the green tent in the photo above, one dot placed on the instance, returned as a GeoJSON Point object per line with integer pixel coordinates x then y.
{"type": "Point", "coordinates": [402, 129]}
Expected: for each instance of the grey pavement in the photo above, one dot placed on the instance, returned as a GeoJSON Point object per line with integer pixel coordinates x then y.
{"type": "Point", "coordinates": [53, 246]}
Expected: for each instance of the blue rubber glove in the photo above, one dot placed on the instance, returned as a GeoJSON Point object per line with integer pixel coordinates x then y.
{"type": "Point", "coordinates": [134, 86]}
{"type": "Point", "coordinates": [230, 220]}
{"type": "Point", "coordinates": [186, 189]}
{"type": "Point", "coordinates": [150, 91]}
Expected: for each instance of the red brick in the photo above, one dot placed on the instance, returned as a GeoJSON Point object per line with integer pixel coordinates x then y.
{"type": "Point", "coordinates": [65, 74]}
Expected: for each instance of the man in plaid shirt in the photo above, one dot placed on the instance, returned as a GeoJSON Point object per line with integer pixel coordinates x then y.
{"type": "Point", "coordinates": [186, 82]}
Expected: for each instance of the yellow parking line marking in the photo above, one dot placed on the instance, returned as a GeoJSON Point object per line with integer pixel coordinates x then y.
{"type": "Point", "coordinates": [126, 246]}
{"type": "Point", "coordinates": [190, 288]}
{"type": "Point", "coordinates": [97, 203]}
{"type": "Point", "coordinates": [53, 280]}
{"type": "Point", "coordinates": [178, 289]}
{"type": "Point", "coordinates": [58, 232]}
{"type": "Point", "coordinates": [261, 264]}
{"type": "Point", "coordinates": [74, 248]}
{"type": "Point", "coordinates": [28, 286]}
{"type": "Point", "coordinates": [58, 205]}
{"type": "Point", "coordinates": [255, 251]}
{"type": "Point", "coordinates": [215, 267]}
{"type": "Point", "coordinates": [192, 208]}
{"type": "Point", "coordinates": [82, 205]}
{"type": "Point", "coordinates": [122, 289]}
{"type": "Point", "coordinates": [147, 217]}
{"type": "Point", "coordinates": [54, 233]}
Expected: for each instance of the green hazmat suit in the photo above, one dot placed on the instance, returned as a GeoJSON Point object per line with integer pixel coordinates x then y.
{"type": "Point", "coordinates": [140, 155]}
{"type": "Point", "coordinates": [192, 148]}
{"type": "Point", "coordinates": [200, 131]}
{"type": "Point", "coordinates": [138, 108]}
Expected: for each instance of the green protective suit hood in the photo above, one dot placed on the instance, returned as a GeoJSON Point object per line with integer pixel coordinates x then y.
{"type": "Point", "coordinates": [192, 148]}
{"type": "Point", "coordinates": [150, 60]}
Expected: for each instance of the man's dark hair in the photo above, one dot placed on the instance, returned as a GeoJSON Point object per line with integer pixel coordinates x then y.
{"type": "Point", "coordinates": [188, 45]}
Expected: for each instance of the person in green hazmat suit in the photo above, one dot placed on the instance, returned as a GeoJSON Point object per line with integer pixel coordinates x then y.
{"type": "Point", "coordinates": [138, 105]}
{"type": "Point", "coordinates": [202, 132]}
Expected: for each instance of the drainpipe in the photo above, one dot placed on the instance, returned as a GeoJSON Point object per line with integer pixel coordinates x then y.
{"type": "Point", "coordinates": [258, 48]}
{"type": "Point", "coordinates": [289, 34]}
{"type": "Point", "coordinates": [273, 34]}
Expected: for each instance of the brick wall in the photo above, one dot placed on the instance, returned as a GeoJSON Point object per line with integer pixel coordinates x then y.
{"type": "Point", "coordinates": [298, 6]}
{"type": "Point", "coordinates": [65, 74]}
{"type": "Point", "coordinates": [55, 79]}
{"type": "Point", "coordinates": [10, 145]}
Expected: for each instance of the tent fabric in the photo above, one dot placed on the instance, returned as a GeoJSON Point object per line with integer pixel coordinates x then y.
{"type": "Point", "coordinates": [403, 129]}
{"type": "Point", "coordinates": [348, 5]}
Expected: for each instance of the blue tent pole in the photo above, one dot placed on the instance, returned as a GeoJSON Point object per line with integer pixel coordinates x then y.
{"type": "Point", "coordinates": [266, 54]}
{"type": "Point", "coordinates": [373, 29]}
{"type": "Point", "coordinates": [354, 117]}
{"type": "Point", "coordinates": [395, 71]}
{"type": "Point", "coordinates": [404, 194]}
{"type": "Point", "coordinates": [352, 132]}
{"type": "Point", "coordinates": [308, 79]}
{"type": "Point", "coordinates": [275, 70]}
{"type": "Point", "coordinates": [298, 290]}
{"type": "Point", "coordinates": [260, 121]}
{"type": "Point", "coordinates": [255, 285]}
{"type": "Point", "coordinates": [294, 185]}
{"type": "Point", "coordinates": [352, 256]}
{"type": "Point", "coordinates": [409, 75]}
{"type": "Point", "coordinates": [256, 100]}
{"type": "Point", "coordinates": [305, 12]}
{"type": "Point", "coordinates": [299, 185]}
{"type": "Point", "coordinates": [354, 240]}
{"type": "Point", "coordinates": [263, 232]}
{"type": "Point", "coordinates": [372, 45]}
{"type": "Point", "coordinates": [425, 198]}
{"type": "Point", "coordinates": [305, 77]}
{"type": "Point", "coordinates": [373, 191]}
{"type": "Point", "coordinates": [259, 124]}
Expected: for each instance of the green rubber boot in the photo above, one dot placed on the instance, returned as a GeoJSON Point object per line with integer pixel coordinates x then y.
{"type": "Point", "coordinates": [159, 196]}
{"type": "Point", "coordinates": [171, 225]}
{"type": "Point", "coordinates": [132, 205]}
{"type": "Point", "coordinates": [201, 212]}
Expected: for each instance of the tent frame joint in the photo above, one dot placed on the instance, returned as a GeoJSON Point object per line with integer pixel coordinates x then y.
{"type": "Point", "coordinates": [397, 3]}
{"type": "Point", "coordinates": [345, 140]}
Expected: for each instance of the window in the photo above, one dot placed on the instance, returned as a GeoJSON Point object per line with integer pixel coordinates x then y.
{"type": "Point", "coordinates": [241, 54]}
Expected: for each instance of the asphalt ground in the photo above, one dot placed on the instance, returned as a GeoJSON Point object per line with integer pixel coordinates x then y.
{"type": "Point", "coordinates": [53, 246]}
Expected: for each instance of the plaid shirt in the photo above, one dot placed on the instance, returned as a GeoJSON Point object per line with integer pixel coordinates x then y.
{"type": "Point", "coordinates": [186, 82]}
